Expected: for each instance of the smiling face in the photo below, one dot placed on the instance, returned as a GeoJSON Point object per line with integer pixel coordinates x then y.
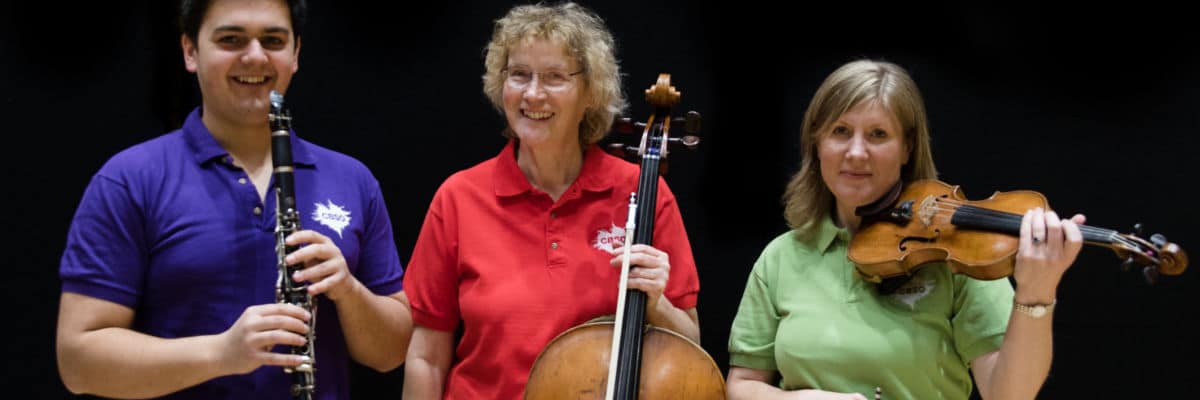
{"type": "Point", "coordinates": [244, 50]}
{"type": "Point", "coordinates": [861, 155]}
{"type": "Point", "coordinates": [539, 113]}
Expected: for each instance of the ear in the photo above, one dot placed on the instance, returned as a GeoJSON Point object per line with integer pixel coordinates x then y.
{"type": "Point", "coordinates": [189, 52]}
{"type": "Point", "coordinates": [296, 56]}
{"type": "Point", "coordinates": [908, 150]}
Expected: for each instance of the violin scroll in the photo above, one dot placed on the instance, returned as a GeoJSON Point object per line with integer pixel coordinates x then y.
{"type": "Point", "coordinates": [1156, 256]}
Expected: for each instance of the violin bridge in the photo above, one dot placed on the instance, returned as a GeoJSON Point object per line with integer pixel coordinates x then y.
{"type": "Point", "coordinates": [928, 210]}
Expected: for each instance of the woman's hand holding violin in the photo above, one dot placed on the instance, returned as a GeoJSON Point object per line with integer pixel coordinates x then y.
{"type": "Point", "coordinates": [1047, 247]}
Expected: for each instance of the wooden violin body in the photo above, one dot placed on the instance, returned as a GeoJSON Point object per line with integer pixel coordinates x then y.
{"type": "Point", "coordinates": [933, 221]}
{"type": "Point", "coordinates": [574, 366]}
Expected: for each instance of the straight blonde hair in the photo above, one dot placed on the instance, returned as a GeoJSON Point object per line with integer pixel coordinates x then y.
{"type": "Point", "coordinates": [808, 199]}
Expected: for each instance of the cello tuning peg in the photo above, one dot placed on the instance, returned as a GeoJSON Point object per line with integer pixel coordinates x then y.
{"type": "Point", "coordinates": [618, 149]}
{"type": "Point", "coordinates": [1159, 240]}
{"type": "Point", "coordinates": [1137, 229]}
{"type": "Point", "coordinates": [1151, 274]}
{"type": "Point", "coordinates": [689, 141]}
{"type": "Point", "coordinates": [692, 124]}
{"type": "Point", "coordinates": [626, 125]}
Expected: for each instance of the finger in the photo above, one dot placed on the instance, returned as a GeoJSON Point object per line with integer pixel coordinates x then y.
{"type": "Point", "coordinates": [647, 273]}
{"type": "Point", "coordinates": [276, 337]}
{"type": "Point", "coordinates": [325, 284]}
{"type": "Point", "coordinates": [1025, 241]}
{"type": "Point", "coordinates": [311, 254]}
{"type": "Point", "coordinates": [1074, 237]}
{"type": "Point", "coordinates": [273, 322]}
{"type": "Point", "coordinates": [278, 309]}
{"type": "Point", "coordinates": [306, 236]}
{"type": "Point", "coordinates": [282, 360]}
{"type": "Point", "coordinates": [640, 259]}
{"type": "Point", "coordinates": [1037, 226]}
{"type": "Point", "coordinates": [646, 285]}
{"type": "Point", "coordinates": [1079, 219]}
{"type": "Point", "coordinates": [317, 272]}
{"type": "Point", "coordinates": [647, 249]}
{"type": "Point", "coordinates": [1054, 234]}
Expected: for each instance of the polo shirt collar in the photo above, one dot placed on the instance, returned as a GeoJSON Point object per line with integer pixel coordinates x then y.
{"type": "Point", "coordinates": [593, 176]}
{"type": "Point", "coordinates": [827, 233]}
{"type": "Point", "coordinates": [204, 146]}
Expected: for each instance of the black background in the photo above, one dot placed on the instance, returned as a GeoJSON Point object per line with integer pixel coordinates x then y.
{"type": "Point", "coordinates": [1094, 106]}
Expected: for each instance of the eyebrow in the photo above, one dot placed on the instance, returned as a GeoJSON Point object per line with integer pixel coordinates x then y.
{"type": "Point", "coordinates": [239, 29]}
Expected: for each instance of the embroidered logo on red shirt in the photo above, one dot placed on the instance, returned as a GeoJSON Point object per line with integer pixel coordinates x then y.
{"type": "Point", "coordinates": [611, 239]}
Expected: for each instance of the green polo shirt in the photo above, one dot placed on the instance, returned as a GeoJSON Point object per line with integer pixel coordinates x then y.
{"type": "Point", "coordinates": [808, 315]}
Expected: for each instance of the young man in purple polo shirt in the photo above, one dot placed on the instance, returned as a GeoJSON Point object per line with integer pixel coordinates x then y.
{"type": "Point", "coordinates": [169, 270]}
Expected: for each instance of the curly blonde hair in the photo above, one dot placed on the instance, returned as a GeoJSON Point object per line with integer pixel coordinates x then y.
{"type": "Point", "coordinates": [583, 35]}
{"type": "Point", "coordinates": [807, 199]}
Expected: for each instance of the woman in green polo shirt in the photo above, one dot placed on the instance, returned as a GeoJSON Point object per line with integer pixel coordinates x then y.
{"type": "Point", "coordinates": [808, 327]}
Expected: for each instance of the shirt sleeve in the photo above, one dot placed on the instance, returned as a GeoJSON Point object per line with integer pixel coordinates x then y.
{"type": "Point", "coordinates": [107, 254]}
{"type": "Point", "coordinates": [432, 276]}
{"type": "Point", "coordinates": [670, 236]}
{"type": "Point", "coordinates": [752, 337]}
{"type": "Point", "coordinates": [379, 267]}
{"type": "Point", "coordinates": [981, 313]}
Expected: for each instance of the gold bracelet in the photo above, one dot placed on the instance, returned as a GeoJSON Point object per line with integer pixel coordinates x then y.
{"type": "Point", "coordinates": [1034, 310]}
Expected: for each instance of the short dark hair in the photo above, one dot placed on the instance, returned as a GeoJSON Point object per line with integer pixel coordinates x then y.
{"type": "Point", "coordinates": [192, 12]}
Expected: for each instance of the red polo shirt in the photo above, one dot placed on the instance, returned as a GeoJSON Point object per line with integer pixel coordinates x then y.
{"type": "Point", "coordinates": [516, 268]}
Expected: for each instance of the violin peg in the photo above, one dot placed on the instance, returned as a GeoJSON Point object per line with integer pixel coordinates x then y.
{"type": "Point", "coordinates": [1128, 264]}
{"type": "Point", "coordinates": [1137, 229]}
{"type": "Point", "coordinates": [1151, 274]}
{"type": "Point", "coordinates": [1159, 240]}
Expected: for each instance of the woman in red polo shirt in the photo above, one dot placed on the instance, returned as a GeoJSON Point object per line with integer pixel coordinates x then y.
{"type": "Point", "coordinates": [525, 245]}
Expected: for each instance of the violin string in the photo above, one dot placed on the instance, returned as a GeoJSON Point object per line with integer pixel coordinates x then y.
{"type": "Point", "coordinates": [946, 209]}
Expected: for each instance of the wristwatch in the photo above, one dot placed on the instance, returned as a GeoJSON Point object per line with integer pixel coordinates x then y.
{"type": "Point", "coordinates": [1034, 310]}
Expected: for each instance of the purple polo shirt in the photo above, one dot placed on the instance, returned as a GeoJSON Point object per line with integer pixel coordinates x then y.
{"type": "Point", "coordinates": [172, 229]}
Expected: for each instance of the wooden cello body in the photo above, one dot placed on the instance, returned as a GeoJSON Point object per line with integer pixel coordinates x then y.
{"type": "Point", "coordinates": [652, 362]}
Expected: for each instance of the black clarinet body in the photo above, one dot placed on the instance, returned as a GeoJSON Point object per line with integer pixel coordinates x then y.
{"type": "Point", "coordinates": [287, 222]}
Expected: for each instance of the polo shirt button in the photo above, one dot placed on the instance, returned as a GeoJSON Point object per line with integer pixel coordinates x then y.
{"type": "Point", "coordinates": [242, 181]}
{"type": "Point", "coordinates": [553, 215]}
{"type": "Point", "coordinates": [554, 245]}
{"type": "Point", "coordinates": [257, 211]}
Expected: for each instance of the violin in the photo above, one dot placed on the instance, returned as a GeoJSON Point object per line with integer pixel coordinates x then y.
{"type": "Point", "coordinates": [626, 358]}
{"type": "Point", "coordinates": [931, 220]}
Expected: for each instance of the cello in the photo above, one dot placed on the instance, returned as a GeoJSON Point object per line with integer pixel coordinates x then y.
{"type": "Point", "coordinates": [931, 220]}
{"type": "Point", "coordinates": [627, 358]}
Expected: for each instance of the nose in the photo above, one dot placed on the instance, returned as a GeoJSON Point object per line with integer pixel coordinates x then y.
{"type": "Point", "coordinates": [255, 53]}
{"type": "Point", "coordinates": [857, 147]}
{"type": "Point", "coordinates": [534, 89]}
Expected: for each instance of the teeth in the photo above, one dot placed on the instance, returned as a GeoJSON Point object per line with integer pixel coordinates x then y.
{"type": "Point", "coordinates": [251, 79]}
{"type": "Point", "coordinates": [538, 115]}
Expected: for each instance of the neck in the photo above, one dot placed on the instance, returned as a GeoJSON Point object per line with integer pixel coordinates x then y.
{"type": "Point", "coordinates": [248, 144]}
{"type": "Point", "coordinates": [550, 167]}
{"type": "Point", "coordinates": [844, 217]}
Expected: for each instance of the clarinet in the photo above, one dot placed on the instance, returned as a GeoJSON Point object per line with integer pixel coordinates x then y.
{"type": "Point", "coordinates": [287, 221]}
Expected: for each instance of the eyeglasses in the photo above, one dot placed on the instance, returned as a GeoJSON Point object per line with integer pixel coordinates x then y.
{"type": "Point", "coordinates": [520, 78]}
